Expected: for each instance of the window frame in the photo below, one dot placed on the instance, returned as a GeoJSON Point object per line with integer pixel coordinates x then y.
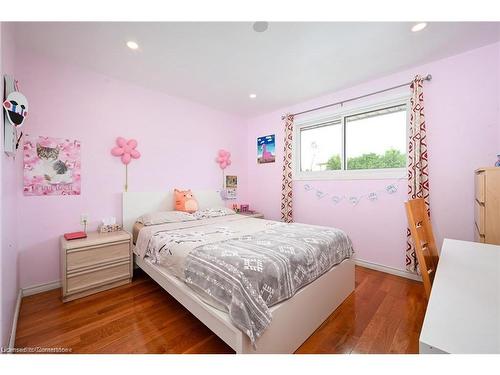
{"type": "Point", "coordinates": [341, 114]}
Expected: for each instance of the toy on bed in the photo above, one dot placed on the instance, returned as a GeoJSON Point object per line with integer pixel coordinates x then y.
{"type": "Point", "coordinates": [185, 201]}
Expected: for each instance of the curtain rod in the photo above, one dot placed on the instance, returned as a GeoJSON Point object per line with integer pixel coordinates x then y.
{"type": "Point", "coordinates": [428, 77]}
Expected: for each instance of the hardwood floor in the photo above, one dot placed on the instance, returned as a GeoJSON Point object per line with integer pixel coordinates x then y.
{"type": "Point", "coordinates": [383, 315]}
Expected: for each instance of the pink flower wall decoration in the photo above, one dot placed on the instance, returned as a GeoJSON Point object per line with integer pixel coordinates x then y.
{"type": "Point", "coordinates": [126, 149]}
{"type": "Point", "coordinates": [224, 159]}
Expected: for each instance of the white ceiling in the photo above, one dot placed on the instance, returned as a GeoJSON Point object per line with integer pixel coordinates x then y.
{"type": "Point", "coordinates": [220, 64]}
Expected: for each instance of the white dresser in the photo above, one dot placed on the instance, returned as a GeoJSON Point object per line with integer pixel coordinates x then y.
{"type": "Point", "coordinates": [463, 314]}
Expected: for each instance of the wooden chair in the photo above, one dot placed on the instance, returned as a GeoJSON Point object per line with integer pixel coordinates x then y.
{"type": "Point", "coordinates": [425, 246]}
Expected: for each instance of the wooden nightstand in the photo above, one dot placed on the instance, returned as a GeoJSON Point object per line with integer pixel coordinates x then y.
{"type": "Point", "coordinates": [256, 215]}
{"type": "Point", "coordinates": [96, 263]}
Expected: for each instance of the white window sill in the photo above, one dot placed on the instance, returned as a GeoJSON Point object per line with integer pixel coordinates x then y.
{"type": "Point", "coordinates": [361, 174]}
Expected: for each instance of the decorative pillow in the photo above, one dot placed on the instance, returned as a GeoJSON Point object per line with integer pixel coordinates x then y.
{"type": "Point", "coordinates": [163, 217]}
{"type": "Point", "coordinates": [185, 201]}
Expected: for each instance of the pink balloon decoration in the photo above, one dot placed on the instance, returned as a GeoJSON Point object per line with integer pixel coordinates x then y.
{"type": "Point", "coordinates": [223, 159]}
{"type": "Point", "coordinates": [126, 150]}
{"type": "Point", "coordinates": [120, 141]}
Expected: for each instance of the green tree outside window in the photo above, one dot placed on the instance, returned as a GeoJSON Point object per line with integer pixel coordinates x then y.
{"type": "Point", "coordinates": [392, 158]}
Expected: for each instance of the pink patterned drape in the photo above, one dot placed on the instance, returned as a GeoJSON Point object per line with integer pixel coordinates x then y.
{"type": "Point", "coordinates": [286, 185]}
{"type": "Point", "coordinates": [418, 176]}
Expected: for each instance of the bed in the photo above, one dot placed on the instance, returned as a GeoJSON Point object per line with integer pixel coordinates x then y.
{"type": "Point", "coordinates": [294, 317]}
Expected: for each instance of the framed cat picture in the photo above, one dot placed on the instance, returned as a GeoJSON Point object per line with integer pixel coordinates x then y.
{"type": "Point", "coordinates": [51, 166]}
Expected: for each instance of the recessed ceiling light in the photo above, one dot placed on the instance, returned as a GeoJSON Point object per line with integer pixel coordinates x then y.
{"type": "Point", "coordinates": [132, 45]}
{"type": "Point", "coordinates": [260, 26]}
{"type": "Point", "coordinates": [252, 96]}
{"type": "Point", "coordinates": [419, 26]}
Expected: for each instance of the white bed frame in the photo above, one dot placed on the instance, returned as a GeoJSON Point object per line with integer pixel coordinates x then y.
{"type": "Point", "coordinates": [294, 320]}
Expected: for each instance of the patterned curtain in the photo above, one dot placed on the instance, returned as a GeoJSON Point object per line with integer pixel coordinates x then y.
{"type": "Point", "coordinates": [418, 176]}
{"type": "Point", "coordinates": [286, 185]}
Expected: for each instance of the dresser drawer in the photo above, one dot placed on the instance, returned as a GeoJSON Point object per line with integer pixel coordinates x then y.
{"type": "Point", "coordinates": [95, 255]}
{"type": "Point", "coordinates": [477, 237]}
{"type": "Point", "coordinates": [479, 185]}
{"type": "Point", "coordinates": [479, 216]}
{"type": "Point", "coordinates": [83, 280]}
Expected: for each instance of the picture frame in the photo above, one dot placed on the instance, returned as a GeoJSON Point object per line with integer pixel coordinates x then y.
{"type": "Point", "coordinates": [266, 149]}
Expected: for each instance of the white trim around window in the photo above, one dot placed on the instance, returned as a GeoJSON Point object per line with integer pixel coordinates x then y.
{"type": "Point", "coordinates": [339, 115]}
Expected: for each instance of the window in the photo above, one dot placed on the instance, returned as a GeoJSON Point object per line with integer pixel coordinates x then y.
{"type": "Point", "coordinates": [368, 142]}
{"type": "Point", "coordinates": [317, 146]}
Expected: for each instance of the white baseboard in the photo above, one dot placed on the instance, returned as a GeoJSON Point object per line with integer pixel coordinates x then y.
{"type": "Point", "coordinates": [39, 288]}
{"type": "Point", "coordinates": [12, 340]}
{"type": "Point", "coordinates": [386, 269]}
{"type": "Point", "coordinates": [24, 292]}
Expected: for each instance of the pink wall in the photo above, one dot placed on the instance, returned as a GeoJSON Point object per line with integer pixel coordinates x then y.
{"type": "Point", "coordinates": [462, 112]}
{"type": "Point", "coordinates": [178, 141]}
{"type": "Point", "coordinates": [8, 255]}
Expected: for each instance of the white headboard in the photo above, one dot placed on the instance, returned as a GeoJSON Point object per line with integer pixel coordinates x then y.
{"type": "Point", "coordinates": [137, 204]}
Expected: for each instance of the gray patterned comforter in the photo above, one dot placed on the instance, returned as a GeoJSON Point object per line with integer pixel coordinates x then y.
{"type": "Point", "coordinates": [250, 273]}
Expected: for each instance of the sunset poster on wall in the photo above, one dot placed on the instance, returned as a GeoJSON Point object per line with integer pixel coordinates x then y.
{"type": "Point", "coordinates": [51, 166]}
{"type": "Point", "coordinates": [266, 149]}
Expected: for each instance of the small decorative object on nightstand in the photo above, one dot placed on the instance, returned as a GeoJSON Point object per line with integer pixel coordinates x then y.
{"type": "Point", "coordinates": [96, 263]}
{"type": "Point", "coordinates": [108, 225]}
{"type": "Point", "coordinates": [106, 228]}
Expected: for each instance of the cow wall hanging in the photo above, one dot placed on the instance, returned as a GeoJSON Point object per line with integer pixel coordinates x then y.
{"type": "Point", "coordinates": [15, 107]}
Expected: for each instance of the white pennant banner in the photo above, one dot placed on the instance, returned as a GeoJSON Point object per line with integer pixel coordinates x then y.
{"type": "Point", "coordinates": [354, 200]}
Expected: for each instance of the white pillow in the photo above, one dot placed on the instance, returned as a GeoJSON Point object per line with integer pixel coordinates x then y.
{"type": "Point", "coordinates": [213, 212]}
{"type": "Point", "coordinates": [163, 217]}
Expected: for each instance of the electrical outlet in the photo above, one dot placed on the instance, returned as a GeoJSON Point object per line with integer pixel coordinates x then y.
{"type": "Point", "coordinates": [84, 219]}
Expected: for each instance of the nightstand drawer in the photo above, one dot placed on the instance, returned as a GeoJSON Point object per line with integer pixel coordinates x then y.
{"type": "Point", "coordinates": [95, 255]}
{"type": "Point", "coordinates": [479, 186]}
{"type": "Point", "coordinates": [479, 216]}
{"type": "Point", "coordinates": [78, 281]}
{"type": "Point", "coordinates": [477, 236]}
